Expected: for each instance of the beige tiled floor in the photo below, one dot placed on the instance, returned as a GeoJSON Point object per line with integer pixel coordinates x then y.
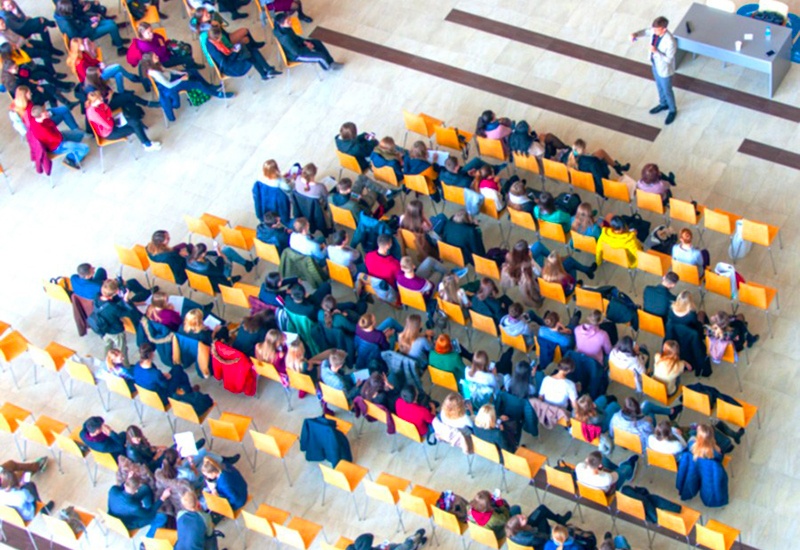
{"type": "Point", "coordinates": [211, 157]}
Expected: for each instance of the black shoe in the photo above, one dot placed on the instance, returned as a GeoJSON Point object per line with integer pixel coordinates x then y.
{"type": "Point", "coordinates": [671, 117]}
{"type": "Point", "coordinates": [48, 508]}
{"type": "Point", "coordinates": [236, 278]}
{"type": "Point", "coordinates": [657, 109]}
{"type": "Point", "coordinates": [231, 459]}
{"type": "Point", "coordinates": [268, 76]}
{"type": "Point", "coordinates": [69, 163]}
{"type": "Point", "coordinates": [238, 15]}
{"type": "Point", "coordinates": [305, 19]}
{"type": "Point", "coordinates": [61, 75]}
{"type": "Point", "coordinates": [121, 51]}
{"type": "Point", "coordinates": [163, 15]}
{"type": "Point", "coordinates": [752, 340]}
{"type": "Point", "coordinates": [200, 443]}
{"type": "Point", "coordinates": [620, 168]}
{"type": "Point", "coordinates": [274, 73]}
{"type": "Point", "coordinates": [564, 518]}
{"type": "Point", "coordinates": [257, 44]}
{"type": "Point", "coordinates": [608, 535]}
{"type": "Point", "coordinates": [126, 41]}
{"type": "Point", "coordinates": [216, 518]}
{"type": "Point", "coordinates": [676, 411]}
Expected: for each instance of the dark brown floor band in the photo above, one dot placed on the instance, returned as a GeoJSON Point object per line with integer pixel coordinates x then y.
{"type": "Point", "coordinates": [770, 153]}
{"type": "Point", "coordinates": [486, 84]}
{"type": "Point", "coordinates": [622, 64]}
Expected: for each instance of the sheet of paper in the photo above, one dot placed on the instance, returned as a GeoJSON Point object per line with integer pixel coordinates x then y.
{"type": "Point", "coordinates": [437, 157]}
{"type": "Point", "coordinates": [186, 444]}
{"type": "Point", "coordinates": [212, 321]}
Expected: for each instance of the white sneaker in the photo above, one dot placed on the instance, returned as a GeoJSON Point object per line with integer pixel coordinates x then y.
{"type": "Point", "coordinates": [154, 146]}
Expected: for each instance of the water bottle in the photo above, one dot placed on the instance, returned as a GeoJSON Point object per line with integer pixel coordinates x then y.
{"type": "Point", "coordinates": [768, 33]}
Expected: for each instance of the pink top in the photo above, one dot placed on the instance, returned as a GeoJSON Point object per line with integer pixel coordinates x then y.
{"type": "Point", "coordinates": [488, 184]}
{"type": "Point", "coordinates": [661, 187]}
{"type": "Point", "coordinates": [500, 132]}
{"type": "Point", "coordinates": [592, 341]}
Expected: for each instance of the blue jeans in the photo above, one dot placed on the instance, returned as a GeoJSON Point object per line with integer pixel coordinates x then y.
{"type": "Point", "coordinates": [63, 114]}
{"type": "Point", "coordinates": [540, 252]}
{"type": "Point", "coordinates": [119, 74]}
{"type": "Point", "coordinates": [624, 471]}
{"type": "Point", "coordinates": [666, 96]}
{"type": "Point", "coordinates": [74, 150]}
{"type": "Point", "coordinates": [107, 27]}
{"type": "Point", "coordinates": [390, 322]}
{"type": "Point", "coordinates": [159, 522]}
{"type": "Point", "coordinates": [651, 410]}
{"type": "Point", "coordinates": [607, 410]}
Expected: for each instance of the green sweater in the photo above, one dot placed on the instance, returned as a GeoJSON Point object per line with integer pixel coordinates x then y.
{"type": "Point", "coordinates": [450, 362]}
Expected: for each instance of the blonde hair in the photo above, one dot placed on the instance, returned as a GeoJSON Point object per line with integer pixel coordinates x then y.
{"type": "Point", "coordinates": [553, 269]}
{"type": "Point", "coordinates": [449, 289]}
{"type": "Point", "coordinates": [270, 170]}
{"type": "Point", "coordinates": [454, 407]}
{"type": "Point", "coordinates": [560, 535]}
{"type": "Point", "coordinates": [583, 218]}
{"type": "Point", "coordinates": [411, 331]}
{"type": "Point", "coordinates": [193, 322]}
{"type": "Point", "coordinates": [268, 349]}
{"type": "Point", "coordinates": [75, 50]}
{"type": "Point", "coordinates": [704, 443]}
{"type": "Point", "coordinates": [486, 417]}
{"type": "Point", "coordinates": [295, 356]}
{"type": "Point", "coordinates": [189, 500]}
{"type": "Point", "coordinates": [585, 409]}
{"type": "Point", "coordinates": [210, 466]}
{"type": "Point", "coordinates": [407, 264]}
{"type": "Point", "coordinates": [366, 321]}
{"type": "Point", "coordinates": [670, 355]}
{"type": "Point", "coordinates": [683, 304]}
{"type": "Point", "coordinates": [21, 100]}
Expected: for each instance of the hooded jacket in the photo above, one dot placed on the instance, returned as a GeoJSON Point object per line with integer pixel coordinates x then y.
{"type": "Point", "coordinates": [626, 240]}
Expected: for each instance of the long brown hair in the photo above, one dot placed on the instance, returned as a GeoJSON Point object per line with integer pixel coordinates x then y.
{"type": "Point", "coordinates": [480, 362]}
{"type": "Point", "coordinates": [553, 269]}
{"type": "Point", "coordinates": [413, 217]}
{"type": "Point", "coordinates": [75, 52]}
{"type": "Point", "coordinates": [583, 218]}
{"type": "Point", "coordinates": [518, 256]}
{"type": "Point", "coordinates": [704, 444]}
{"type": "Point", "coordinates": [488, 289]}
{"type": "Point", "coordinates": [670, 355]}
{"type": "Point", "coordinates": [411, 331]}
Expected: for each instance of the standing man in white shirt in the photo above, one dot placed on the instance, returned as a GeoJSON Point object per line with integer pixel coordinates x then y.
{"type": "Point", "coordinates": [663, 48]}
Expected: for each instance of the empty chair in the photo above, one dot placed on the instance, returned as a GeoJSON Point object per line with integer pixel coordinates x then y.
{"type": "Point", "coordinates": [262, 521]}
{"type": "Point", "coordinates": [62, 533]}
{"type": "Point", "coordinates": [299, 533]}
{"type": "Point", "coordinates": [275, 442]}
{"type": "Point", "coordinates": [12, 346]}
{"type": "Point", "coordinates": [681, 524]}
{"type": "Point", "coordinates": [42, 432]}
{"type": "Point", "coordinates": [232, 427]}
{"type": "Point", "coordinates": [386, 489]}
{"type": "Point", "coordinates": [716, 536]}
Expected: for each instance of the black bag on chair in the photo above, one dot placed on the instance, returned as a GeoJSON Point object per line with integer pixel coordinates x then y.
{"type": "Point", "coordinates": [638, 224]}
{"type": "Point", "coordinates": [568, 202]}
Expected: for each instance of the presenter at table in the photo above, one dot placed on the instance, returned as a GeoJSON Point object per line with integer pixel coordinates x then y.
{"type": "Point", "coordinates": [663, 48]}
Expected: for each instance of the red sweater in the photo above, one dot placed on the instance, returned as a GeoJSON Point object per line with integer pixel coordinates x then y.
{"type": "Point", "coordinates": [101, 118]}
{"type": "Point", "coordinates": [84, 62]}
{"type": "Point", "coordinates": [47, 133]}
{"type": "Point", "coordinates": [418, 415]}
{"type": "Point", "coordinates": [383, 267]}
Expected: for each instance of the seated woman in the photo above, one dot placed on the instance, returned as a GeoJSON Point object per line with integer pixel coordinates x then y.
{"type": "Point", "coordinates": [370, 339]}
{"type": "Point", "coordinates": [724, 328]}
{"type": "Point", "coordinates": [684, 252]}
{"type": "Point", "coordinates": [450, 291]}
{"type": "Point", "coordinates": [272, 231]}
{"type": "Point", "coordinates": [491, 127]}
{"type": "Point", "coordinates": [126, 100]}
{"type": "Point", "coordinates": [159, 250]}
{"type": "Point", "coordinates": [482, 379]}
{"type": "Point", "coordinates": [455, 412]}
{"type": "Point", "coordinates": [167, 476]}
{"type": "Point", "coordinates": [564, 272]}
{"type": "Point", "coordinates": [638, 419]}
{"type": "Point", "coordinates": [171, 83]}
{"type": "Point", "coordinates": [591, 340]}
{"type": "Point", "coordinates": [331, 316]}
{"type": "Point", "coordinates": [668, 367]}
{"type": "Point", "coordinates": [273, 351]}
{"type": "Point", "coordinates": [521, 198]}
{"type": "Point", "coordinates": [488, 184]}
{"type": "Point", "coordinates": [445, 357]}
{"type": "Point", "coordinates": [114, 365]}
{"type": "Point", "coordinates": [148, 41]}
{"type": "Point", "coordinates": [666, 439]}
{"type": "Point", "coordinates": [617, 235]}
{"type": "Point", "coordinates": [19, 111]}
{"type": "Point", "coordinates": [360, 146]}
{"type": "Point", "coordinates": [301, 241]}
{"type": "Point", "coordinates": [252, 331]}
{"type": "Point", "coordinates": [491, 511]}
{"type": "Point", "coordinates": [22, 497]}
{"type": "Point", "coordinates": [79, 25]}
{"type": "Point", "coordinates": [597, 164]}
{"type": "Point", "coordinates": [560, 539]}
{"type": "Point", "coordinates": [653, 181]}
{"type": "Point", "coordinates": [628, 355]}
{"type": "Point", "coordinates": [83, 54]}
{"type": "Point", "coordinates": [534, 530]}
{"type": "Point", "coordinates": [495, 430]}
{"type": "Point", "coordinates": [414, 219]}
{"type": "Point", "coordinates": [307, 185]}
{"type": "Point", "coordinates": [159, 322]}
{"type": "Point", "coordinates": [193, 327]}
{"type": "Point", "coordinates": [546, 210]}
{"type": "Point", "coordinates": [13, 77]}
{"type": "Point", "coordinates": [296, 361]}
{"type": "Point", "coordinates": [237, 59]}
{"type": "Point", "coordinates": [40, 62]}
{"type": "Point", "coordinates": [37, 49]}
{"type": "Point", "coordinates": [414, 342]}
{"type": "Point", "coordinates": [557, 389]}
{"type": "Point", "coordinates": [225, 481]}
{"type": "Point", "coordinates": [595, 413]}
{"type": "Point", "coordinates": [217, 265]}
{"type": "Point", "coordinates": [701, 470]}
{"type": "Point", "coordinates": [415, 161]}
{"type": "Point", "coordinates": [488, 301]}
{"type": "Point", "coordinates": [524, 382]}
{"type": "Point", "coordinates": [25, 26]}
{"type": "Point", "coordinates": [519, 270]}
{"type": "Point", "coordinates": [518, 322]}
{"type": "Point", "coordinates": [139, 450]}
{"type": "Point", "coordinates": [386, 153]}
{"type": "Point", "coordinates": [106, 126]}
{"type": "Point", "coordinates": [525, 141]}
{"type": "Point", "coordinates": [583, 221]}
{"type": "Point", "coordinates": [378, 390]}
{"type": "Point", "coordinates": [418, 280]}
{"type": "Point", "coordinates": [409, 408]}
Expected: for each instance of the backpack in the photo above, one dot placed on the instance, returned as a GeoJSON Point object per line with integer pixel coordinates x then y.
{"type": "Point", "coordinates": [638, 224]}
{"type": "Point", "coordinates": [568, 202]}
{"type": "Point", "coordinates": [585, 539]}
{"type": "Point", "coordinates": [621, 308]}
{"type": "Point", "coordinates": [137, 8]}
{"type": "Point", "coordinates": [97, 323]}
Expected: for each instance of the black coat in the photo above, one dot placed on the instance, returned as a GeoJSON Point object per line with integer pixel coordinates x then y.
{"type": "Point", "coordinates": [465, 236]}
{"type": "Point", "coordinates": [657, 300]}
{"type": "Point", "coordinates": [688, 332]}
{"type": "Point", "coordinates": [320, 440]}
{"type": "Point", "coordinates": [311, 209]}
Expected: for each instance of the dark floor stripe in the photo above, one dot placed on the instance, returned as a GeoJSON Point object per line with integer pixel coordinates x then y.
{"type": "Point", "coordinates": [486, 84]}
{"type": "Point", "coordinates": [770, 153]}
{"type": "Point", "coordinates": [625, 65]}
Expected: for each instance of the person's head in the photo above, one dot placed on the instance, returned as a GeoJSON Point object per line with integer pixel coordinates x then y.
{"type": "Point", "coordinates": [146, 351]}
{"type": "Point", "coordinates": [22, 96]}
{"type": "Point", "coordinates": [411, 331]}
{"type": "Point", "coordinates": [484, 120]}
{"type": "Point", "coordinates": [348, 131]}
{"type": "Point", "coordinates": [295, 354]}
{"type": "Point", "coordinates": [384, 243]}
{"type": "Point", "coordinates": [485, 172]}
{"type": "Point", "coordinates": [85, 271]}
{"type": "Point", "coordinates": [520, 380]}
{"type": "Point", "coordinates": [486, 417]}
{"type": "Point", "coordinates": [454, 406]}
{"type": "Point", "coordinates": [449, 288]}
{"type": "Point", "coordinates": [145, 31]}
{"type": "Point", "coordinates": [150, 61]}
{"type": "Point", "coordinates": [94, 78]}
{"type": "Point", "coordinates": [215, 33]}
{"type": "Point", "coordinates": [419, 151]}
{"type": "Point", "coordinates": [579, 147]}
{"type": "Point", "coordinates": [297, 293]}
{"type": "Point", "coordinates": [252, 323]}
{"type": "Point", "coordinates": [94, 98]}
{"type": "Point", "coordinates": [625, 345]}
{"type": "Point", "coordinates": [546, 202]}
{"type": "Point", "coordinates": [309, 172]}
{"type": "Point", "coordinates": [210, 468]}
{"type": "Point", "coordinates": [518, 189]}
{"type": "Point", "coordinates": [515, 524]}
{"type": "Point", "coordinates": [594, 318]}
{"type": "Point", "coordinates": [488, 289]}
{"type": "Point", "coordinates": [159, 242]}
{"type": "Point", "coordinates": [631, 408]}
{"type": "Point", "coordinates": [663, 431]}
{"type": "Point", "coordinates": [301, 226]}
{"type": "Point", "coordinates": [340, 238]}
{"type": "Point", "coordinates": [283, 20]}
{"type": "Point", "coordinates": [63, 8]}
{"type": "Point", "coordinates": [566, 366]}
{"type": "Point", "coordinates": [451, 164]}
{"type": "Point", "coordinates": [270, 170]}
{"type": "Point", "coordinates": [720, 322]}
{"type": "Point", "coordinates": [114, 357]}
{"type": "Point", "coordinates": [413, 215]}
{"type": "Point", "coordinates": [553, 269]}
{"type": "Point", "coordinates": [618, 225]}
{"type": "Point", "coordinates": [515, 310]}
{"type": "Point", "coordinates": [683, 304]}
{"type": "Point", "coordinates": [109, 288]}
{"type": "Point", "coordinates": [193, 321]}
{"type": "Point", "coordinates": [132, 485]}
{"type": "Point", "coordinates": [670, 279]}
{"type": "Point", "coordinates": [198, 253]}
{"type": "Point", "coordinates": [271, 345]}
{"type": "Point", "coordinates": [585, 408]}
{"type": "Point", "coordinates": [328, 305]}
{"type": "Point", "coordinates": [344, 186]}
{"type": "Point", "coordinates": [520, 253]}
{"type": "Point", "coordinates": [134, 436]}
{"type": "Point", "coordinates": [169, 463]}
{"type": "Point", "coordinates": [583, 217]}
{"type": "Point", "coordinates": [685, 236]}
{"type": "Point", "coordinates": [651, 173]}
{"type": "Point", "coordinates": [94, 425]}
{"type": "Point", "coordinates": [670, 350]}
{"type": "Point", "coordinates": [443, 344]}
{"type": "Point", "coordinates": [189, 501]}
{"type": "Point", "coordinates": [273, 280]}
{"type": "Point", "coordinates": [409, 393]}
{"type": "Point", "coordinates": [407, 265]}
{"type": "Point", "coordinates": [336, 359]}
{"type": "Point", "coordinates": [482, 502]}
{"type": "Point", "coordinates": [461, 216]}
{"type": "Point", "coordinates": [594, 460]}
{"type": "Point", "coordinates": [551, 319]}
{"type": "Point", "coordinates": [480, 362]}
{"type": "Point", "coordinates": [660, 25]}
{"type": "Point", "coordinates": [366, 322]}
{"type": "Point", "coordinates": [705, 445]}
{"type": "Point", "coordinates": [387, 145]}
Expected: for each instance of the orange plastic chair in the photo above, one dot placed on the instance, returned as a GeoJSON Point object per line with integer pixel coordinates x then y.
{"type": "Point", "coordinates": [61, 531]}
{"type": "Point", "coordinates": [628, 440]}
{"type": "Point", "coordinates": [553, 232]}
{"type": "Point", "coordinates": [135, 258]}
{"type": "Point", "coordinates": [443, 379]}
{"type": "Point", "coordinates": [453, 312]}
{"type": "Point", "coordinates": [625, 377]}
{"type": "Point", "coordinates": [420, 501]}
{"type": "Point", "coordinates": [562, 481]}
{"type": "Point", "coordinates": [651, 202]}
{"type": "Point", "coordinates": [651, 323]}
{"type": "Point", "coordinates": [584, 243]}
{"type": "Point", "coordinates": [453, 194]}
{"type": "Point", "coordinates": [41, 432]}
{"type": "Point", "coordinates": [485, 536]}
{"type": "Point", "coordinates": [220, 505]}
{"type": "Point", "coordinates": [11, 516]}
{"type": "Point", "coordinates": [555, 170]}
{"type": "Point", "coordinates": [238, 294]}
{"type": "Point", "coordinates": [409, 430]}
{"type": "Point", "coordinates": [232, 427]}
{"type": "Point", "coordinates": [340, 274]}
{"type": "Point", "coordinates": [756, 295]}
{"type": "Point", "coordinates": [483, 323]}
{"type": "Point", "coordinates": [635, 509]}
{"type": "Point", "coordinates": [342, 216]}
{"type": "Point", "coordinates": [206, 225]}
{"type": "Point", "coordinates": [528, 163]}
{"type": "Point", "coordinates": [263, 520]}
{"type": "Point", "coordinates": [720, 221]}
{"type": "Point", "coordinates": [422, 124]}
{"type": "Point", "coordinates": [716, 536]}
{"type": "Point", "coordinates": [729, 356]}
{"type": "Point", "coordinates": [275, 442]}
{"type": "Point", "coordinates": [52, 358]}
{"type": "Point", "coordinates": [687, 273]}
{"type": "Point", "coordinates": [492, 148]}
{"type": "Point", "coordinates": [386, 175]}
{"type": "Point", "coordinates": [490, 452]}
{"type": "Point", "coordinates": [687, 212]}
{"type": "Point", "coordinates": [341, 544]}
{"type": "Point", "coordinates": [555, 292]}
{"type": "Point", "coordinates": [451, 254]}
{"type": "Point", "coordinates": [412, 298]}
{"type": "Point", "coordinates": [696, 401]}
{"type": "Point", "coordinates": [582, 180]}
{"type": "Point", "coordinates": [449, 522]}
{"type": "Point", "coordinates": [618, 191]}
{"type": "Point", "coordinates": [12, 346]}
{"type": "Point", "coordinates": [597, 496]}
{"type": "Point", "coordinates": [240, 237]}
{"type": "Point", "coordinates": [164, 272]}
{"type": "Point", "coordinates": [653, 262]}
{"type": "Point", "coordinates": [718, 284]}
{"type": "Point", "coordinates": [740, 416]}
{"type": "Point", "coordinates": [386, 489]}
{"type": "Point", "coordinates": [619, 256]}
{"type": "Point", "coordinates": [346, 476]}
{"type": "Point", "coordinates": [681, 524]}
{"type": "Point", "coordinates": [486, 267]}
{"type": "Point", "coordinates": [151, 399]}
{"type": "Point", "coordinates": [452, 138]}
{"type": "Point", "coordinates": [334, 397]}
{"type": "Point", "coordinates": [762, 234]}
{"type": "Point", "coordinates": [590, 299]}
{"type": "Point", "coordinates": [517, 342]}
{"type": "Point", "coordinates": [658, 390]}
{"type": "Point", "coordinates": [525, 463]}
{"type": "Point", "coordinates": [522, 219]}
{"type": "Point", "coordinates": [267, 252]}
{"type": "Point", "coordinates": [299, 533]}
{"type": "Point", "coordinates": [71, 444]}
{"type": "Point", "coordinates": [348, 162]}
{"type": "Point", "coordinates": [576, 431]}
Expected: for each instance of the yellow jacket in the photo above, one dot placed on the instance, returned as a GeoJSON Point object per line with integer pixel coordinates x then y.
{"type": "Point", "coordinates": [627, 241]}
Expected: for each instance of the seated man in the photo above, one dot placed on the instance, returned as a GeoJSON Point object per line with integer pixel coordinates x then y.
{"type": "Point", "coordinates": [453, 174]}
{"type": "Point", "coordinates": [600, 473]}
{"type": "Point", "coordinates": [462, 232]}
{"type": "Point", "coordinates": [98, 436]}
{"type": "Point", "coordinates": [659, 298]}
{"type": "Point", "coordinates": [343, 197]}
{"type": "Point", "coordinates": [298, 303]}
{"type": "Point", "coordinates": [195, 527]}
{"type": "Point", "coordinates": [381, 264]}
{"type": "Point", "coordinates": [331, 373]}
{"type": "Point", "coordinates": [66, 143]}
{"type": "Point", "coordinates": [298, 48]}
{"type": "Point", "coordinates": [273, 289]}
{"type": "Point", "coordinates": [134, 504]}
{"type": "Point", "coordinates": [360, 146]}
{"type": "Point", "coordinates": [302, 242]}
{"type": "Point", "coordinates": [272, 231]}
{"type": "Point", "coordinates": [106, 319]}
{"type": "Point", "coordinates": [87, 281]}
{"type": "Point", "coordinates": [339, 252]}
{"type": "Point", "coordinates": [237, 60]}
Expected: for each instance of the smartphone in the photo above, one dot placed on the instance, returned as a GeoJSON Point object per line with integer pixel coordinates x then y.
{"type": "Point", "coordinates": [770, 53]}
{"type": "Point", "coordinates": [688, 28]}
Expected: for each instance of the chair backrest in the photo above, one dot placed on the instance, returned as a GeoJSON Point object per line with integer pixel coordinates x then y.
{"type": "Point", "coordinates": [576, 430]}
{"type": "Point", "coordinates": [56, 292]}
{"type": "Point", "coordinates": [492, 148]}
{"type": "Point", "coordinates": [678, 523]}
{"type": "Point", "coordinates": [340, 274]}
{"type": "Point", "coordinates": [11, 516]}
{"type": "Point", "coordinates": [487, 450]}
{"type": "Point", "coordinates": [258, 524]}
{"type": "Point", "coordinates": [151, 399]}
{"type": "Point", "coordinates": [651, 323]}
{"type": "Point", "coordinates": [301, 381]}
{"type": "Point", "coordinates": [696, 401]}
{"type": "Point", "coordinates": [300, 533]}
{"type": "Point", "coordinates": [348, 162]}
{"type": "Point", "coordinates": [418, 183]}
{"type": "Point", "coordinates": [684, 211]}
{"type": "Point", "coordinates": [105, 460]}
{"type": "Point", "coordinates": [553, 291]}
{"type": "Point", "coordinates": [735, 414]}
{"type": "Point", "coordinates": [135, 257]}
{"type": "Point", "coordinates": [686, 272]}
{"type": "Point", "coordinates": [649, 201]}
{"type": "Point", "coordinates": [517, 342]}
{"type": "Point", "coordinates": [184, 411]}
{"type": "Point", "coordinates": [454, 194]}
{"type": "Point", "coordinates": [552, 231]}
{"type": "Point", "coordinates": [406, 428]}
{"type": "Point", "coordinates": [80, 372]}
{"type": "Point", "coordinates": [200, 283]}
{"type": "Point", "coordinates": [560, 480]}
{"type": "Point", "coordinates": [522, 219]}
{"type": "Point", "coordinates": [268, 252]}
{"type": "Point", "coordinates": [626, 377]}
{"type": "Point", "coordinates": [448, 521]}
{"type": "Point", "coordinates": [756, 295]}
{"type": "Point", "coordinates": [582, 180]}
{"type": "Point", "coordinates": [376, 412]}
{"type": "Point", "coordinates": [489, 207]}
{"type": "Point", "coordinates": [454, 312]}
{"type": "Point", "coordinates": [485, 536]}
{"type": "Point", "coordinates": [628, 440]}
{"type": "Point", "coordinates": [219, 505]}
{"type": "Point", "coordinates": [595, 495]}
{"type": "Point", "coordinates": [69, 444]}
{"type": "Point", "coordinates": [655, 389]}
{"type": "Point", "coordinates": [590, 299]}
{"type": "Point", "coordinates": [342, 216]}
{"type": "Point", "coordinates": [718, 284]}
{"type": "Point", "coordinates": [267, 370]}
{"type": "Point", "coordinates": [60, 530]}
{"type": "Point", "coordinates": [715, 535]}
{"type": "Point", "coordinates": [523, 462]}
{"type": "Point", "coordinates": [449, 137]}
{"type": "Point", "coordinates": [616, 256]}
{"type": "Point", "coordinates": [234, 296]}
{"type": "Point", "coordinates": [584, 243]}
{"type": "Point", "coordinates": [616, 190]}
{"type": "Point", "coordinates": [511, 545]}
{"type": "Point", "coordinates": [555, 170]}
{"type": "Point", "coordinates": [115, 524]}
{"type": "Point", "coordinates": [486, 267]}
{"type": "Point", "coordinates": [386, 175]}
{"type": "Point", "coordinates": [631, 506]}
{"type": "Point", "coordinates": [665, 461]}
{"type": "Point", "coordinates": [412, 298]}
{"type": "Point", "coordinates": [414, 504]}
{"type": "Point", "coordinates": [334, 397]}
{"type": "Point", "coordinates": [758, 233]}
{"type": "Point", "coordinates": [162, 271]}
{"type": "Point", "coordinates": [237, 237]}
{"type": "Point", "coordinates": [419, 123]}
{"type": "Point", "coordinates": [652, 262]}
{"type": "Point", "coordinates": [527, 163]}
{"type": "Point", "coordinates": [408, 238]}
{"type": "Point", "coordinates": [719, 221]}
{"type": "Point", "coordinates": [483, 323]}
{"type": "Point", "coordinates": [450, 253]}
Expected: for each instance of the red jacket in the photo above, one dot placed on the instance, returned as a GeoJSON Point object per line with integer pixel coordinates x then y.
{"type": "Point", "coordinates": [47, 133]}
{"type": "Point", "coordinates": [101, 118]}
{"type": "Point", "coordinates": [82, 63]}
